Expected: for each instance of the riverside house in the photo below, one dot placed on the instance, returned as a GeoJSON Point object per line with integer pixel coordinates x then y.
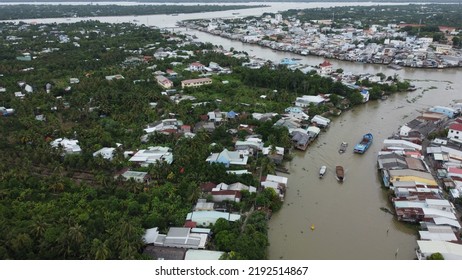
{"type": "Point", "coordinates": [196, 82]}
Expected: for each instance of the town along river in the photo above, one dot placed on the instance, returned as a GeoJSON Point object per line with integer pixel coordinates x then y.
{"type": "Point", "coordinates": [347, 217]}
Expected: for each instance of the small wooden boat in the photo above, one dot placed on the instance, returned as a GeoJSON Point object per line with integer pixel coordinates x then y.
{"type": "Point", "coordinates": [322, 171]}
{"type": "Point", "coordinates": [343, 147]}
{"type": "Point", "coordinates": [339, 173]}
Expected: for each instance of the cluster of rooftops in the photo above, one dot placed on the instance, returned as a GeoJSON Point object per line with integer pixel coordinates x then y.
{"type": "Point", "coordinates": [420, 174]}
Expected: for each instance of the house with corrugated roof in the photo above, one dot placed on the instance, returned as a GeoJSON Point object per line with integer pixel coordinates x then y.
{"type": "Point", "coordinates": [164, 82]}
{"type": "Point", "coordinates": [438, 233]}
{"type": "Point", "coordinates": [153, 155]}
{"type": "Point", "coordinates": [137, 176]}
{"type": "Point", "coordinates": [306, 100]}
{"type": "Point", "coordinates": [252, 145]}
{"type": "Point", "coordinates": [194, 255]}
{"type": "Point", "coordinates": [207, 218]}
{"type": "Point", "coordinates": [288, 122]}
{"type": "Point", "coordinates": [228, 158]}
{"type": "Point", "coordinates": [196, 66]}
{"type": "Point", "coordinates": [276, 154]}
{"type": "Point", "coordinates": [231, 192]}
{"type": "Point", "coordinates": [196, 82]}
{"type": "Point", "coordinates": [70, 146]}
{"type": "Point", "coordinates": [105, 152]}
{"type": "Point", "coordinates": [411, 210]}
{"type": "Point", "coordinates": [447, 111]}
{"type": "Point", "coordinates": [301, 140]}
{"type": "Point", "coordinates": [166, 126]}
{"type": "Point", "coordinates": [408, 175]}
{"type": "Point", "coordinates": [203, 205]}
{"type": "Point", "coordinates": [179, 237]}
{"type": "Point", "coordinates": [449, 250]}
{"type": "Point", "coordinates": [277, 183]}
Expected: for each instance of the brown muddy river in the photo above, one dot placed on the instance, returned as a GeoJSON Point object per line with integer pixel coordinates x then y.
{"type": "Point", "coordinates": [347, 218]}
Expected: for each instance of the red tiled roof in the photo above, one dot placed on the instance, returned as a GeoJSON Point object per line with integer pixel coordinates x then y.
{"type": "Point", "coordinates": [456, 126]}
{"type": "Point", "coordinates": [207, 187]}
{"type": "Point", "coordinates": [455, 170]}
{"type": "Point", "coordinates": [446, 28]}
{"type": "Point", "coordinates": [190, 224]}
{"type": "Point", "coordinates": [325, 64]}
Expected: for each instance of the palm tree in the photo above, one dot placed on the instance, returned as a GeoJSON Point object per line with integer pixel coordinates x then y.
{"type": "Point", "coordinates": [268, 166]}
{"type": "Point", "coordinates": [194, 193]}
{"type": "Point", "coordinates": [39, 226]}
{"type": "Point", "coordinates": [100, 250]}
{"type": "Point", "coordinates": [76, 235]}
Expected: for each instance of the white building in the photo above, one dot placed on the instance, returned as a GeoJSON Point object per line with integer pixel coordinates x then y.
{"type": "Point", "coordinates": [153, 155]}
{"type": "Point", "coordinates": [106, 153]}
{"type": "Point", "coordinates": [205, 218]}
{"type": "Point", "coordinates": [450, 251]}
{"type": "Point", "coordinates": [277, 183]}
{"type": "Point", "coordinates": [306, 100]}
{"type": "Point", "coordinates": [179, 237]}
{"type": "Point", "coordinates": [455, 131]}
{"type": "Point", "coordinates": [69, 146]}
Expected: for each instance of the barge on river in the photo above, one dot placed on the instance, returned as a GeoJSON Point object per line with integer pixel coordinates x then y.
{"type": "Point", "coordinates": [365, 143]}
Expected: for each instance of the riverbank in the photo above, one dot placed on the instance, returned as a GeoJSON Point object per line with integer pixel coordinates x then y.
{"type": "Point", "coordinates": [391, 62]}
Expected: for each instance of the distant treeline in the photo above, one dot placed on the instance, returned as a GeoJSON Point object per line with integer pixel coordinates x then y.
{"type": "Point", "coordinates": [428, 14]}
{"type": "Point", "coordinates": [26, 11]}
{"type": "Point", "coordinates": [246, 1]}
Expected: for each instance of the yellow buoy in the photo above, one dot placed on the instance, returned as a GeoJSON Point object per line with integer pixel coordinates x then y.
{"type": "Point", "coordinates": [312, 227]}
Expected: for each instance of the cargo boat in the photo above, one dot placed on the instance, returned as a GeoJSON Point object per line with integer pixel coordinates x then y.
{"type": "Point", "coordinates": [362, 146]}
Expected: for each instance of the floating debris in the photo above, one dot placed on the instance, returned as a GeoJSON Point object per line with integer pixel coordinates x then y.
{"type": "Point", "coordinates": [386, 210]}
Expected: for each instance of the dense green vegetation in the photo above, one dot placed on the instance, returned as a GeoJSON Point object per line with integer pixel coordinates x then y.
{"type": "Point", "coordinates": [56, 206]}
{"type": "Point", "coordinates": [26, 11]}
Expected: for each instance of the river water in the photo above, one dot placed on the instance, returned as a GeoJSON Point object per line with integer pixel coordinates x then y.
{"type": "Point", "coordinates": [347, 219]}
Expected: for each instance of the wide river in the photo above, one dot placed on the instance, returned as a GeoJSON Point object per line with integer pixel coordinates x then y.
{"type": "Point", "coordinates": [347, 219]}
